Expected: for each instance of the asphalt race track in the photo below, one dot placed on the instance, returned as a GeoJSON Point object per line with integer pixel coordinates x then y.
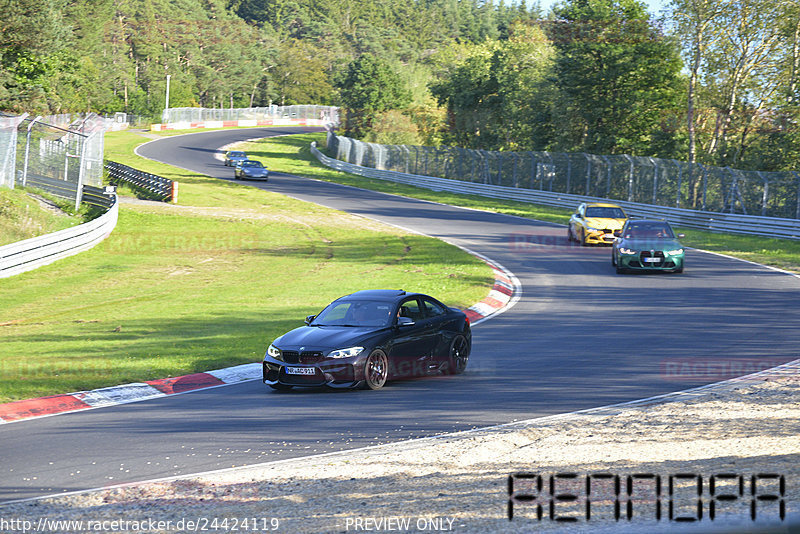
{"type": "Point", "coordinates": [581, 336]}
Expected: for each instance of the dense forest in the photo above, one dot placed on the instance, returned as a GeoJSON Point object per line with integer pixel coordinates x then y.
{"type": "Point", "coordinates": [712, 81]}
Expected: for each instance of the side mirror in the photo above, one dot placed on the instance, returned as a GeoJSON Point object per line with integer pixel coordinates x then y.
{"type": "Point", "coordinates": [405, 321]}
{"type": "Point", "coordinates": [309, 319]}
{"type": "Point", "coordinates": [681, 236]}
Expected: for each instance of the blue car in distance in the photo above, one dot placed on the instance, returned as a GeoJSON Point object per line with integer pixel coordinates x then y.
{"type": "Point", "coordinates": [251, 170]}
{"type": "Point", "coordinates": [232, 157]}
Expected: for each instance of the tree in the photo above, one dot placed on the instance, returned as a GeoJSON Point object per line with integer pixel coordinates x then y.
{"type": "Point", "coordinates": [369, 86]}
{"type": "Point", "coordinates": [617, 74]}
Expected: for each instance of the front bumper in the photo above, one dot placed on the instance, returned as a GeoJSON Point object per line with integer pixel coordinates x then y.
{"type": "Point", "coordinates": [246, 176]}
{"type": "Point", "coordinates": [338, 374]}
{"type": "Point", "coordinates": [645, 261]}
{"type": "Point", "coordinates": [601, 237]}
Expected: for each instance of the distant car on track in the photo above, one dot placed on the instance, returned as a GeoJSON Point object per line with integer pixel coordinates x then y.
{"type": "Point", "coordinates": [596, 223]}
{"type": "Point", "coordinates": [234, 156]}
{"type": "Point", "coordinates": [250, 170]}
{"type": "Point", "coordinates": [647, 245]}
{"type": "Point", "coordinates": [369, 337]}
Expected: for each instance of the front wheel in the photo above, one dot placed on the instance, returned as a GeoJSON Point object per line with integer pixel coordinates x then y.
{"type": "Point", "coordinates": [376, 370]}
{"type": "Point", "coordinates": [582, 238]}
{"type": "Point", "coordinates": [459, 355]}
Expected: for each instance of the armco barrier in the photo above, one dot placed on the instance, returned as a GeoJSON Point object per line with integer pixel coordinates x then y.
{"type": "Point", "coordinates": [38, 251]}
{"type": "Point", "coordinates": [704, 220]}
{"type": "Point", "coordinates": [150, 184]}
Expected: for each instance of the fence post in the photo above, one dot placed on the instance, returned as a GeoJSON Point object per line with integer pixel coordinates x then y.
{"type": "Point", "coordinates": [705, 183]}
{"type": "Point", "coordinates": [81, 172]}
{"type": "Point", "coordinates": [680, 180]}
{"type": "Point", "coordinates": [630, 178]}
{"type": "Point", "coordinates": [655, 179]}
{"type": "Point", "coordinates": [588, 171]}
{"type": "Point", "coordinates": [569, 171]}
{"type": "Point", "coordinates": [608, 175]}
{"type": "Point", "coordinates": [765, 195]}
{"type": "Point", "coordinates": [28, 151]}
{"type": "Point", "coordinates": [797, 209]}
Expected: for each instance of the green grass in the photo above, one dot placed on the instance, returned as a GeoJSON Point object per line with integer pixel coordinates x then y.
{"type": "Point", "coordinates": [203, 285]}
{"type": "Point", "coordinates": [21, 217]}
{"type": "Point", "coordinates": [292, 155]}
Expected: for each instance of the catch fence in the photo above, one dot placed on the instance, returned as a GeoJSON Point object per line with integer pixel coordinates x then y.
{"type": "Point", "coordinates": [644, 180]}
{"type": "Point", "coordinates": [59, 159]}
{"type": "Point", "coordinates": [324, 114]}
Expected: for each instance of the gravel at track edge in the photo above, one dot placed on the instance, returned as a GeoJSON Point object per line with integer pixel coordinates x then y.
{"type": "Point", "coordinates": [459, 482]}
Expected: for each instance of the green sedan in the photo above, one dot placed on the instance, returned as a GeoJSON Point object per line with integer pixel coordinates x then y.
{"type": "Point", "coordinates": [647, 245]}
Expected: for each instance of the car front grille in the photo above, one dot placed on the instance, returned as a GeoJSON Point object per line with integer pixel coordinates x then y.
{"type": "Point", "coordinates": [292, 356]}
{"type": "Point", "coordinates": [658, 254]}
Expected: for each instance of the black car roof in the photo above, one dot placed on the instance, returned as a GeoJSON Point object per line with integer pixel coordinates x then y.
{"type": "Point", "coordinates": [378, 294]}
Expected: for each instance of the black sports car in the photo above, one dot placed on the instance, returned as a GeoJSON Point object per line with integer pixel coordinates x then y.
{"type": "Point", "coordinates": [370, 337]}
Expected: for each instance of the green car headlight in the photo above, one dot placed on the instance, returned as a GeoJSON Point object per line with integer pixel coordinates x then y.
{"type": "Point", "coordinates": [623, 250]}
{"type": "Point", "coordinates": [676, 252]}
{"type": "Point", "coordinates": [346, 353]}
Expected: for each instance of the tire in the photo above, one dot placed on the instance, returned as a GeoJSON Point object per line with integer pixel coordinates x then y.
{"type": "Point", "coordinates": [376, 370]}
{"type": "Point", "coordinates": [582, 238]}
{"type": "Point", "coordinates": [678, 270]}
{"type": "Point", "coordinates": [613, 259]}
{"type": "Point", "coordinates": [280, 387]}
{"type": "Point", "coordinates": [569, 233]}
{"type": "Point", "coordinates": [458, 356]}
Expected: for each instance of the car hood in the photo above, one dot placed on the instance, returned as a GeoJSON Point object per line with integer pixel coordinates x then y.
{"type": "Point", "coordinates": [602, 222]}
{"type": "Point", "coordinates": [652, 244]}
{"type": "Point", "coordinates": [255, 170]}
{"type": "Point", "coordinates": [323, 337]}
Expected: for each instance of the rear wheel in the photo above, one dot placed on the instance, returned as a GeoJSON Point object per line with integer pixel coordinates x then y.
{"type": "Point", "coordinates": [459, 355]}
{"type": "Point", "coordinates": [376, 370]}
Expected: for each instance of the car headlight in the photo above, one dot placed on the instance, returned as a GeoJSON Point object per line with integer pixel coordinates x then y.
{"type": "Point", "coordinates": [590, 229]}
{"type": "Point", "coordinates": [623, 250]}
{"type": "Point", "coordinates": [676, 252]}
{"type": "Point", "coordinates": [274, 352]}
{"type": "Point", "coordinates": [345, 353]}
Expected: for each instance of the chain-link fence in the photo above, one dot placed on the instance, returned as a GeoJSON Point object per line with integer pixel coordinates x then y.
{"type": "Point", "coordinates": [326, 114]}
{"type": "Point", "coordinates": [58, 159]}
{"type": "Point", "coordinates": [630, 178]}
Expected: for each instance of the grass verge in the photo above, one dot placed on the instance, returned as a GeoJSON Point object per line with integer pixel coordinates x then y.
{"type": "Point", "coordinates": [292, 155]}
{"type": "Point", "coordinates": [203, 285]}
{"type": "Point", "coordinates": [23, 217]}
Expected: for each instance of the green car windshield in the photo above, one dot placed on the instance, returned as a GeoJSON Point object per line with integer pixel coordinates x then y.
{"type": "Point", "coordinates": [605, 212]}
{"type": "Point", "coordinates": [648, 230]}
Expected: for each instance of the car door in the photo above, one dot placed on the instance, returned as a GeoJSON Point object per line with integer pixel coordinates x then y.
{"type": "Point", "coordinates": [412, 346]}
{"type": "Point", "coordinates": [438, 318]}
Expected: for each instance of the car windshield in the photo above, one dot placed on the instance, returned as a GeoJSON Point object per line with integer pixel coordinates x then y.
{"type": "Point", "coordinates": [648, 231]}
{"type": "Point", "coordinates": [251, 164]}
{"type": "Point", "coordinates": [236, 154]}
{"type": "Point", "coordinates": [355, 313]}
{"type": "Point", "coordinates": [605, 212]}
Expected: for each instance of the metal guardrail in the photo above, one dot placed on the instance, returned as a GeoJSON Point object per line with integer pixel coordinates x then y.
{"type": "Point", "coordinates": [703, 220]}
{"type": "Point", "coordinates": [32, 253]}
{"type": "Point", "coordinates": [151, 185]}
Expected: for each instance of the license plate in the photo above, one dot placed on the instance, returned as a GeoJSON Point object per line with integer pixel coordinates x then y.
{"type": "Point", "coordinates": [309, 371]}
{"type": "Point", "coordinates": [652, 260]}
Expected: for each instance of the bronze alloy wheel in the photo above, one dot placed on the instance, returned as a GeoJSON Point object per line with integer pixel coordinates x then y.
{"type": "Point", "coordinates": [376, 370]}
{"type": "Point", "coordinates": [459, 355]}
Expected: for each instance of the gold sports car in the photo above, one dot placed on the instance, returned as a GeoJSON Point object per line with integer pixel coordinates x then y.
{"type": "Point", "coordinates": [596, 223]}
